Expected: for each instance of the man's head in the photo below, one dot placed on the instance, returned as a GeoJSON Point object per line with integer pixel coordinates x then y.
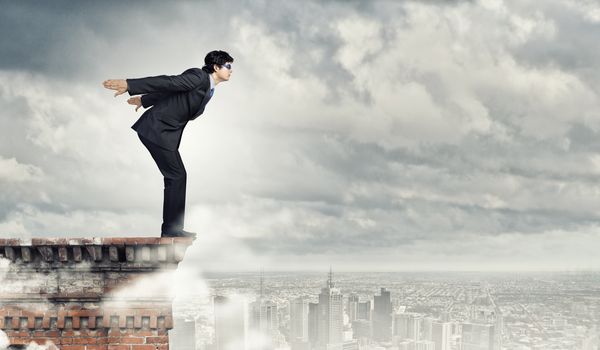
{"type": "Point", "coordinates": [218, 63]}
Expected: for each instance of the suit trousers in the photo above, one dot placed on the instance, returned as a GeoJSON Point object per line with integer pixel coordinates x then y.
{"type": "Point", "coordinates": [171, 167]}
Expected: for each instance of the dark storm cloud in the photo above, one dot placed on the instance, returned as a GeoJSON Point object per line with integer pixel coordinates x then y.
{"type": "Point", "coordinates": [71, 39]}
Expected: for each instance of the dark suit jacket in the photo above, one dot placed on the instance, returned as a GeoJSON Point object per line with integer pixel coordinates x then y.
{"type": "Point", "coordinates": [176, 99]}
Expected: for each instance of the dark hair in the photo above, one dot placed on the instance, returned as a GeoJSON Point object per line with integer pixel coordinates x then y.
{"type": "Point", "coordinates": [215, 57]}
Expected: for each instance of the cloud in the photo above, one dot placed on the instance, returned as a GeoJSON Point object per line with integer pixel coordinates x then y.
{"type": "Point", "coordinates": [346, 126]}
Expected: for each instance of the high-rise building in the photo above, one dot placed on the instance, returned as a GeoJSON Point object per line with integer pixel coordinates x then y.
{"type": "Point", "coordinates": [382, 316]}
{"type": "Point", "coordinates": [264, 324]}
{"type": "Point", "coordinates": [352, 307]}
{"type": "Point", "coordinates": [426, 328]}
{"type": "Point", "coordinates": [441, 333]}
{"type": "Point", "coordinates": [414, 327]}
{"type": "Point", "coordinates": [361, 329]}
{"type": "Point", "coordinates": [183, 334]}
{"type": "Point", "coordinates": [331, 316]}
{"type": "Point", "coordinates": [478, 337]}
{"type": "Point", "coordinates": [231, 320]}
{"type": "Point", "coordinates": [299, 320]}
{"type": "Point", "coordinates": [313, 324]}
{"type": "Point", "coordinates": [408, 325]}
{"type": "Point", "coordinates": [364, 310]}
{"type": "Point", "coordinates": [264, 316]}
{"type": "Point", "coordinates": [401, 325]}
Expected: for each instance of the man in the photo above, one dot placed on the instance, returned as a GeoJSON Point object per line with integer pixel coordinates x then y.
{"type": "Point", "coordinates": [174, 100]}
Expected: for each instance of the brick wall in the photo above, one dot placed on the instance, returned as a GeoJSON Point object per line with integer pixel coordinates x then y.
{"type": "Point", "coordinates": [63, 291]}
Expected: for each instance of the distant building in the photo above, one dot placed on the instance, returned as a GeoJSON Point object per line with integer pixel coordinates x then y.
{"type": "Point", "coordinates": [231, 323]}
{"type": "Point", "coordinates": [361, 329]}
{"type": "Point", "coordinates": [330, 316]}
{"type": "Point", "coordinates": [478, 337]}
{"type": "Point", "coordinates": [313, 324]}
{"type": "Point", "coordinates": [441, 333]}
{"type": "Point", "coordinates": [382, 316]}
{"type": "Point", "coordinates": [352, 307]}
{"type": "Point", "coordinates": [364, 310]}
{"type": "Point", "coordinates": [426, 328]}
{"type": "Point", "coordinates": [408, 325]}
{"type": "Point", "coordinates": [183, 334]}
{"type": "Point", "coordinates": [299, 320]}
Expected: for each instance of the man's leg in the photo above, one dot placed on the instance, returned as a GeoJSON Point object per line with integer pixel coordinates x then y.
{"type": "Point", "coordinates": [172, 168]}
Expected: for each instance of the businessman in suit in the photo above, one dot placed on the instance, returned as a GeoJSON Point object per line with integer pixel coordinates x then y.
{"type": "Point", "coordinates": [172, 101]}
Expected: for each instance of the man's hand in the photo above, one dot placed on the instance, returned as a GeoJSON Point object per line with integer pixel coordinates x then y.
{"type": "Point", "coordinates": [136, 101]}
{"type": "Point", "coordinates": [120, 85]}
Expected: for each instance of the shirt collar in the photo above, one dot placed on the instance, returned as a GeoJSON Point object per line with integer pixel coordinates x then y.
{"type": "Point", "coordinates": [212, 83]}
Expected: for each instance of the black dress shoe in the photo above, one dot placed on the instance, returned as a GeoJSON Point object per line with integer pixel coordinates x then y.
{"type": "Point", "coordinates": [178, 233]}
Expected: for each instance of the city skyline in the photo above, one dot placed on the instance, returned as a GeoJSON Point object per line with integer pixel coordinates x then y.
{"type": "Point", "coordinates": [430, 312]}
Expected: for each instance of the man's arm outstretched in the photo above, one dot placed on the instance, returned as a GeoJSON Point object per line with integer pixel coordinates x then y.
{"type": "Point", "coordinates": [186, 81]}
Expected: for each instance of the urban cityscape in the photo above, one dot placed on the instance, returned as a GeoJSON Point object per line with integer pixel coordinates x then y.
{"type": "Point", "coordinates": [392, 311]}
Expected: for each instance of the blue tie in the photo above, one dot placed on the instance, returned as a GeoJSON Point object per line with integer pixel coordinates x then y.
{"type": "Point", "coordinates": [212, 91]}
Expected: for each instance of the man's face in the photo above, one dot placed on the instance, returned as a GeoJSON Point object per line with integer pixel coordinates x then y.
{"type": "Point", "coordinates": [224, 73]}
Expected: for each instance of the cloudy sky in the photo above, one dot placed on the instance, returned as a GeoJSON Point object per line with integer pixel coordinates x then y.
{"type": "Point", "coordinates": [366, 135]}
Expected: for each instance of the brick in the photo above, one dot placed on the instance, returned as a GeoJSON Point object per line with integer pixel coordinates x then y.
{"type": "Point", "coordinates": [73, 347]}
{"type": "Point", "coordinates": [118, 347]}
{"type": "Point", "coordinates": [132, 340]}
{"type": "Point", "coordinates": [96, 347]}
{"type": "Point", "coordinates": [157, 340]}
{"type": "Point", "coordinates": [85, 340]}
{"type": "Point", "coordinates": [46, 322]}
{"type": "Point", "coordinates": [92, 322]}
{"type": "Point", "coordinates": [122, 321]}
{"type": "Point", "coordinates": [143, 347]}
{"type": "Point", "coordinates": [52, 333]}
{"type": "Point", "coordinates": [153, 321]}
{"type": "Point", "coordinates": [137, 321]}
{"type": "Point", "coordinates": [76, 322]}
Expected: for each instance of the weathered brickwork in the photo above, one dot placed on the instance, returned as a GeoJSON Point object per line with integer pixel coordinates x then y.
{"type": "Point", "coordinates": [63, 291]}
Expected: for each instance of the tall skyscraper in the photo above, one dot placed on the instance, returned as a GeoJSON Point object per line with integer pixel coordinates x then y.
{"type": "Point", "coordinates": [408, 325]}
{"type": "Point", "coordinates": [382, 316]}
{"type": "Point", "coordinates": [231, 320]}
{"type": "Point", "coordinates": [264, 316]}
{"type": "Point", "coordinates": [441, 333]}
{"type": "Point", "coordinates": [299, 320]}
{"type": "Point", "coordinates": [352, 307]}
{"type": "Point", "coordinates": [331, 316]}
{"type": "Point", "coordinates": [313, 324]}
{"type": "Point", "coordinates": [364, 310]}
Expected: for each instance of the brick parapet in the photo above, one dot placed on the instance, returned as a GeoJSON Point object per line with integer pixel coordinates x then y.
{"type": "Point", "coordinates": [66, 291]}
{"type": "Point", "coordinates": [115, 254]}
